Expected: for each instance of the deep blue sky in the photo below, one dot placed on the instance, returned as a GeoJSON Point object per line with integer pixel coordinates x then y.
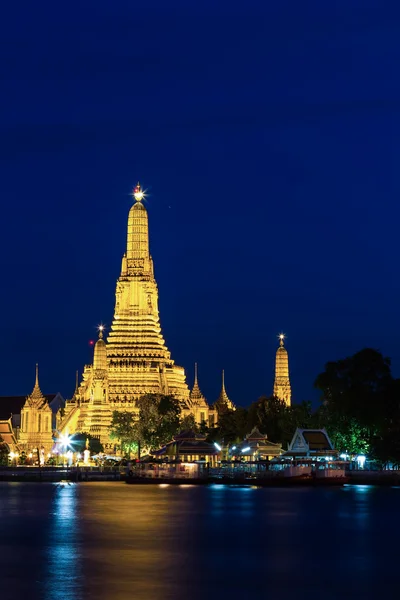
{"type": "Point", "coordinates": [268, 136]}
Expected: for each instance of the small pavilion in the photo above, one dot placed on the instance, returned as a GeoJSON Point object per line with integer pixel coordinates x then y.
{"type": "Point", "coordinates": [256, 446]}
{"type": "Point", "coordinates": [310, 443]}
{"type": "Point", "coordinates": [189, 446]}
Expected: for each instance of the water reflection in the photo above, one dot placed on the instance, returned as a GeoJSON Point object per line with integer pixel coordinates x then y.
{"type": "Point", "coordinates": [63, 561]}
{"type": "Point", "coordinates": [112, 541]}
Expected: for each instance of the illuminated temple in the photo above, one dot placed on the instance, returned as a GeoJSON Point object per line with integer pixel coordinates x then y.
{"type": "Point", "coordinates": [135, 359]}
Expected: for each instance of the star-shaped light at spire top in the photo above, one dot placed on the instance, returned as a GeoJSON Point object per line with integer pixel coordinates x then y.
{"type": "Point", "coordinates": [100, 329]}
{"type": "Point", "coordinates": [138, 193]}
{"type": "Point", "coordinates": [281, 337]}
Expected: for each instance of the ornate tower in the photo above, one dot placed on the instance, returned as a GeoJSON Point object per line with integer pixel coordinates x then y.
{"type": "Point", "coordinates": [198, 405]}
{"type": "Point", "coordinates": [95, 413]}
{"type": "Point", "coordinates": [282, 383]}
{"type": "Point", "coordinates": [223, 403]}
{"type": "Point", "coordinates": [36, 421]}
{"type": "Point", "coordinates": [134, 360]}
{"type": "Point", "coordinates": [138, 360]}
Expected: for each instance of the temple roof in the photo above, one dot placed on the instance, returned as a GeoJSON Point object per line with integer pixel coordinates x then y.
{"type": "Point", "coordinates": [310, 440]}
{"type": "Point", "coordinates": [12, 405]}
{"type": "Point", "coordinates": [223, 402]}
{"type": "Point", "coordinates": [181, 446]}
{"type": "Point", "coordinates": [256, 435]}
{"type": "Point", "coordinates": [189, 435]}
{"type": "Point", "coordinates": [6, 434]}
{"type": "Point", "coordinates": [196, 395]}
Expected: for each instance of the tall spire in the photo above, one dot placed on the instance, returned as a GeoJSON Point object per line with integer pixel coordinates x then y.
{"type": "Point", "coordinates": [196, 394]}
{"type": "Point", "coordinates": [223, 402]}
{"type": "Point", "coordinates": [282, 388]}
{"type": "Point", "coordinates": [137, 251]}
{"type": "Point", "coordinates": [100, 352]}
{"type": "Point", "coordinates": [36, 398]}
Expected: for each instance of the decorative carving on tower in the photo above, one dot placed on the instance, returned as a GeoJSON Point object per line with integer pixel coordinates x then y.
{"type": "Point", "coordinates": [282, 388]}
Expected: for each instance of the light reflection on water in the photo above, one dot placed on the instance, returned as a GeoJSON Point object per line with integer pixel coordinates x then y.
{"type": "Point", "coordinates": [113, 541]}
{"type": "Point", "coordinates": [63, 563]}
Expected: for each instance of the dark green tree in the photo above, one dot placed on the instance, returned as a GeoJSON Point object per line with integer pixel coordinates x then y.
{"type": "Point", "coordinates": [159, 420]}
{"type": "Point", "coordinates": [4, 451]}
{"type": "Point", "coordinates": [232, 426]}
{"type": "Point", "coordinates": [123, 431]}
{"type": "Point", "coordinates": [188, 423]}
{"type": "Point", "coordinates": [358, 401]}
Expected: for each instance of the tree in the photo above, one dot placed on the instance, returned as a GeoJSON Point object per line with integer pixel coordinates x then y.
{"type": "Point", "coordinates": [159, 420]}
{"type": "Point", "coordinates": [188, 423]}
{"type": "Point", "coordinates": [232, 426]}
{"type": "Point", "coordinates": [123, 430]}
{"type": "Point", "coordinates": [359, 399]}
{"type": "Point", "coordinates": [4, 451]}
{"type": "Point", "coordinates": [272, 417]}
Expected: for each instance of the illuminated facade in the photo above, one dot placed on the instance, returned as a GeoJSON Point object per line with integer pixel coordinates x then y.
{"type": "Point", "coordinates": [282, 388]}
{"type": "Point", "coordinates": [36, 422]}
{"type": "Point", "coordinates": [135, 359]}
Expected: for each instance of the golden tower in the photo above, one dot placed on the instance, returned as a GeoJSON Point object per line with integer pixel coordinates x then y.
{"type": "Point", "coordinates": [135, 360]}
{"type": "Point", "coordinates": [282, 382]}
{"type": "Point", "coordinates": [36, 421]}
{"type": "Point", "coordinates": [198, 405]}
{"type": "Point", "coordinates": [138, 360]}
{"type": "Point", "coordinates": [223, 403]}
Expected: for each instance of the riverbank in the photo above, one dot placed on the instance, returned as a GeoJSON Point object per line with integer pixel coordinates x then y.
{"type": "Point", "coordinates": [88, 474]}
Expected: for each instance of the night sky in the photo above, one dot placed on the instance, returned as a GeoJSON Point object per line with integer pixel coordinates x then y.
{"type": "Point", "coordinates": [268, 136]}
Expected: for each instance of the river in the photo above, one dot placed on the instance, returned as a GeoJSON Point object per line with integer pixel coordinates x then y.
{"type": "Point", "coordinates": [112, 541]}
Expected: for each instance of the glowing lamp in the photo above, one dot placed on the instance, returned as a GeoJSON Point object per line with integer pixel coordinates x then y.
{"type": "Point", "coordinates": [218, 447]}
{"type": "Point", "coordinates": [361, 460]}
{"type": "Point", "coordinates": [244, 450]}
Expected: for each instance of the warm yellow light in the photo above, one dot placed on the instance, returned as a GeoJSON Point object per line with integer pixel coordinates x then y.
{"type": "Point", "coordinates": [30, 455]}
{"type": "Point", "coordinates": [281, 336]}
{"type": "Point", "coordinates": [138, 193]}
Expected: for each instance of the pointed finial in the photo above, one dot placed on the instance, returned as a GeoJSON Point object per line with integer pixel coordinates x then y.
{"type": "Point", "coordinates": [223, 379]}
{"type": "Point", "coordinates": [100, 329]}
{"type": "Point", "coordinates": [37, 375]}
{"type": "Point", "coordinates": [195, 372]}
{"type": "Point", "coordinates": [138, 193]}
{"type": "Point", "coordinates": [76, 381]}
{"type": "Point", "coordinates": [281, 337]}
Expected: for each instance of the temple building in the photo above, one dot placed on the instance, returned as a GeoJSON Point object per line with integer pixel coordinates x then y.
{"type": "Point", "coordinates": [36, 430]}
{"type": "Point", "coordinates": [135, 359]}
{"type": "Point", "coordinates": [256, 446]}
{"type": "Point", "coordinates": [197, 405]}
{"type": "Point", "coordinates": [223, 403]}
{"type": "Point", "coordinates": [20, 416]}
{"type": "Point", "coordinates": [282, 388]}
